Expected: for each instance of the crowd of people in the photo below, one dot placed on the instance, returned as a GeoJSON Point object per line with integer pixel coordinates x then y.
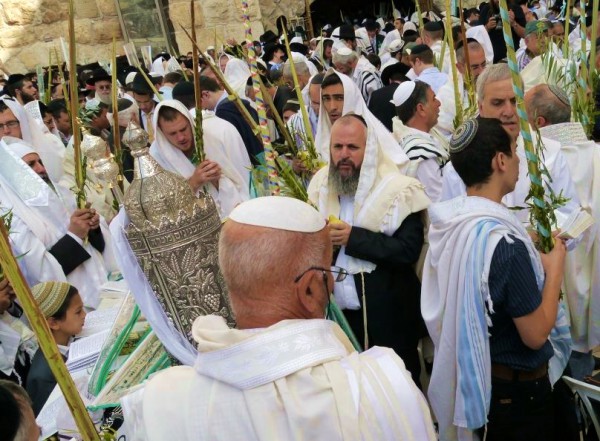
{"type": "Point", "coordinates": [418, 222]}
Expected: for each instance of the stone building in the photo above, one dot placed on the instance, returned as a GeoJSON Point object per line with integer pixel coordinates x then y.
{"type": "Point", "coordinates": [30, 30]}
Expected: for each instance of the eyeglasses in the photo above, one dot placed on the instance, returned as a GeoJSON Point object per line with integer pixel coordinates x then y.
{"type": "Point", "coordinates": [340, 273]}
{"type": "Point", "coordinates": [478, 66]}
{"type": "Point", "coordinates": [10, 125]}
{"type": "Point", "coordinates": [104, 87]}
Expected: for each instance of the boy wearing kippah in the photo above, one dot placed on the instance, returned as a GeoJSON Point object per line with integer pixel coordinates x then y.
{"type": "Point", "coordinates": [62, 307]}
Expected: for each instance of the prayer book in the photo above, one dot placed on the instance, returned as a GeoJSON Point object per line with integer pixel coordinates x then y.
{"type": "Point", "coordinates": [576, 224]}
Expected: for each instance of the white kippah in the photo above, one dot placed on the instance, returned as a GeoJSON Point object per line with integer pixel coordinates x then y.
{"type": "Point", "coordinates": [402, 93]}
{"type": "Point", "coordinates": [409, 26]}
{"type": "Point", "coordinates": [344, 51]}
{"type": "Point", "coordinates": [280, 213]}
{"type": "Point", "coordinates": [18, 146]}
{"type": "Point", "coordinates": [396, 46]}
{"type": "Point", "coordinates": [296, 40]}
{"type": "Point", "coordinates": [210, 48]}
{"type": "Point", "coordinates": [129, 78]}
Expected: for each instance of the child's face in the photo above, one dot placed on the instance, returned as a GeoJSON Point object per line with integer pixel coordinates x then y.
{"type": "Point", "coordinates": [75, 317]}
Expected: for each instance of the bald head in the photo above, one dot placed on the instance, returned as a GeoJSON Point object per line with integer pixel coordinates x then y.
{"type": "Point", "coordinates": [268, 272]}
{"type": "Point", "coordinates": [546, 106]}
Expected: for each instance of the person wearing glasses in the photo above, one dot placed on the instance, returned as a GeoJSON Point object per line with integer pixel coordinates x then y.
{"type": "Point", "coordinates": [477, 63]}
{"type": "Point", "coordinates": [102, 83]}
{"type": "Point", "coordinates": [377, 236]}
{"type": "Point", "coordinates": [284, 373]}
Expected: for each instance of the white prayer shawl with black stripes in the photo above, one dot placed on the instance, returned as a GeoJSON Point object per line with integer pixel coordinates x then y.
{"type": "Point", "coordinates": [427, 157]}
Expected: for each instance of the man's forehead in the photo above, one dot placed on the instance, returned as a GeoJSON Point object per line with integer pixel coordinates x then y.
{"type": "Point", "coordinates": [499, 89]}
{"type": "Point", "coordinates": [31, 157]}
{"type": "Point", "coordinates": [334, 89]}
{"type": "Point", "coordinates": [7, 114]}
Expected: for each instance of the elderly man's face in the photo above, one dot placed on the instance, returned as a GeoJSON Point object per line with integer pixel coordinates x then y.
{"type": "Point", "coordinates": [499, 102]}
{"type": "Point", "coordinates": [536, 42]}
{"type": "Point", "coordinates": [477, 62]}
{"type": "Point", "coordinates": [333, 101]}
{"type": "Point", "coordinates": [223, 62]}
{"type": "Point", "coordinates": [178, 132]}
{"type": "Point", "coordinates": [9, 125]}
{"type": "Point", "coordinates": [103, 90]}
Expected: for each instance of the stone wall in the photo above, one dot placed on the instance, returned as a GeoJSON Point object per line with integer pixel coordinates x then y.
{"type": "Point", "coordinates": [31, 29]}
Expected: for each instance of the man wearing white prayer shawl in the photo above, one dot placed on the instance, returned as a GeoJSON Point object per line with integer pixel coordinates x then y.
{"type": "Point", "coordinates": [285, 373]}
{"type": "Point", "coordinates": [445, 95]}
{"type": "Point", "coordinates": [173, 149]}
{"type": "Point", "coordinates": [496, 99]}
{"type": "Point", "coordinates": [490, 301]}
{"type": "Point", "coordinates": [379, 229]}
{"type": "Point", "coordinates": [47, 231]}
{"type": "Point", "coordinates": [340, 96]}
{"type": "Point", "coordinates": [236, 73]}
{"type": "Point", "coordinates": [417, 111]}
{"type": "Point", "coordinates": [45, 144]}
{"type": "Point", "coordinates": [548, 108]}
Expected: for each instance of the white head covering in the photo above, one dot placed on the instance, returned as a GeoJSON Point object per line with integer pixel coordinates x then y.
{"type": "Point", "coordinates": [403, 92]}
{"type": "Point", "coordinates": [237, 73]}
{"type": "Point", "coordinates": [409, 26]}
{"type": "Point", "coordinates": [354, 102]}
{"type": "Point", "coordinates": [280, 213]}
{"type": "Point", "coordinates": [480, 34]}
{"type": "Point", "coordinates": [48, 146]}
{"type": "Point", "coordinates": [18, 147]}
{"type": "Point", "coordinates": [158, 67]}
{"type": "Point", "coordinates": [232, 189]}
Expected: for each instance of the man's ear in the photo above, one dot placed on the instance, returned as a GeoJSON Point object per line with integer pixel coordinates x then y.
{"type": "Point", "coordinates": [308, 291]}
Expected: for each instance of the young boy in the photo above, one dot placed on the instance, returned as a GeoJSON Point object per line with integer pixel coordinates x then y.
{"type": "Point", "coordinates": [63, 309]}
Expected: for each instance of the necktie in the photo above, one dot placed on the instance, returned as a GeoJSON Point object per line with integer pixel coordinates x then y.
{"type": "Point", "coordinates": [149, 128]}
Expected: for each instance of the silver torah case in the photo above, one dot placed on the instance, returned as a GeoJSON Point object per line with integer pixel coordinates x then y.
{"type": "Point", "coordinates": [174, 235]}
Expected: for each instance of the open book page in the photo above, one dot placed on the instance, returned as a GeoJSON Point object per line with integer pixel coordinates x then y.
{"type": "Point", "coordinates": [574, 225]}
{"type": "Point", "coordinates": [98, 321]}
{"type": "Point", "coordinates": [85, 351]}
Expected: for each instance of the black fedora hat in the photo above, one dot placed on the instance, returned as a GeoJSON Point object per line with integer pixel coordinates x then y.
{"type": "Point", "coordinates": [346, 32]}
{"type": "Point", "coordinates": [268, 37]}
{"type": "Point", "coordinates": [140, 85]}
{"type": "Point", "coordinates": [270, 49]}
{"type": "Point", "coordinates": [98, 75]}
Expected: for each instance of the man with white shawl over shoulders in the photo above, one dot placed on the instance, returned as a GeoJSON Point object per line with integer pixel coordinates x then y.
{"type": "Point", "coordinates": [549, 109]}
{"type": "Point", "coordinates": [284, 373]}
{"type": "Point", "coordinates": [340, 96]}
{"type": "Point", "coordinates": [47, 231]}
{"type": "Point", "coordinates": [51, 152]}
{"type": "Point", "coordinates": [491, 301]}
{"type": "Point", "coordinates": [173, 148]}
{"type": "Point", "coordinates": [378, 231]}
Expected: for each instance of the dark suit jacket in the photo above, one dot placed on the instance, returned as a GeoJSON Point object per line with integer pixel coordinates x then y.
{"type": "Point", "coordinates": [229, 112]}
{"type": "Point", "coordinates": [70, 254]}
{"type": "Point", "coordinates": [380, 105]}
{"type": "Point", "coordinates": [40, 382]}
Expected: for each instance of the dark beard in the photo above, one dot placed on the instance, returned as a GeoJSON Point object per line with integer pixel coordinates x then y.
{"type": "Point", "coordinates": [27, 98]}
{"type": "Point", "coordinates": [344, 185]}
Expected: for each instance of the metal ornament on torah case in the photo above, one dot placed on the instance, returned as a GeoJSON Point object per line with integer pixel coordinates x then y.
{"type": "Point", "coordinates": [174, 236]}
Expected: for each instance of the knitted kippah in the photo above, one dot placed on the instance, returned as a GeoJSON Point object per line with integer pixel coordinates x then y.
{"type": "Point", "coordinates": [463, 135]}
{"type": "Point", "coordinates": [559, 93]}
{"type": "Point", "coordinates": [50, 296]}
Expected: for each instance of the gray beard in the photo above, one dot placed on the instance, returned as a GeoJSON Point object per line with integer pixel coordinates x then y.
{"type": "Point", "coordinates": [345, 186]}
